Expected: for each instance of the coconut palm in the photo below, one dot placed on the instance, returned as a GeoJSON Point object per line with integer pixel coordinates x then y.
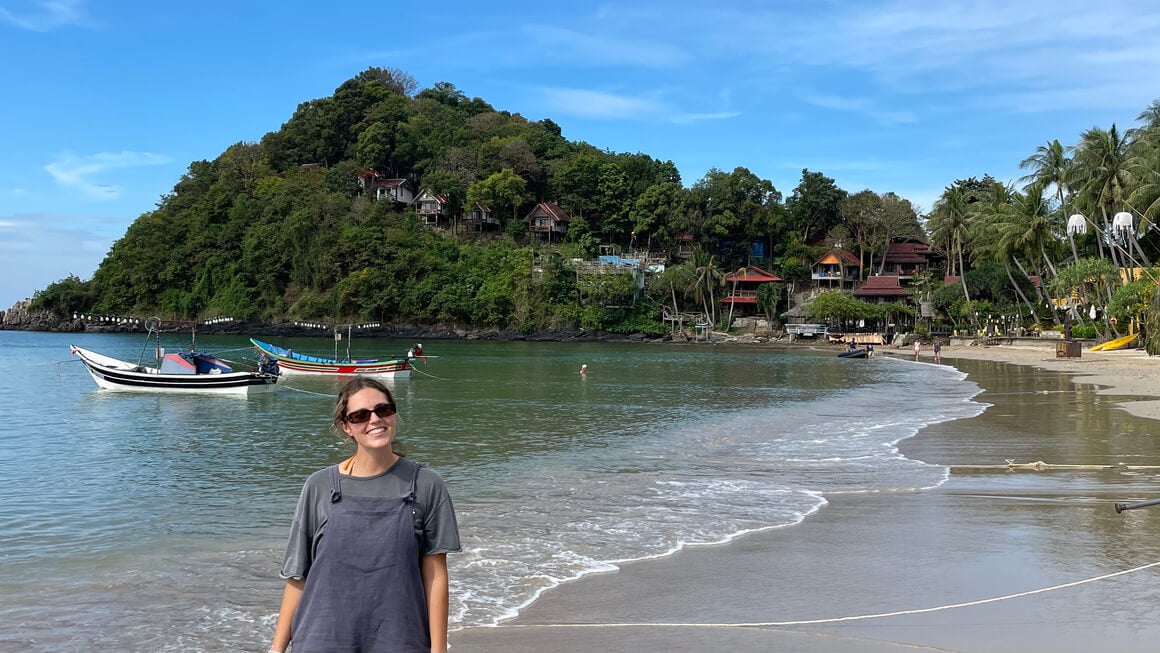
{"type": "Point", "coordinates": [1144, 168]}
{"type": "Point", "coordinates": [706, 278]}
{"type": "Point", "coordinates": [1028, 225]}
{"type": "Point", "coordinates": [950, 224]}
{"type": "Point", "coordinates": [1100, 174]}
{"type": "Point", "coordinates": [1049, 167]}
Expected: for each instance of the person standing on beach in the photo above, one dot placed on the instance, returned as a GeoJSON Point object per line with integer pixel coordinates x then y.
{"type": "Point", "coordinates": [377, 582]}
{"type": "Point", "coordinates": [937, 350]}
{"type": "Point", "coordinates": [917, 348]}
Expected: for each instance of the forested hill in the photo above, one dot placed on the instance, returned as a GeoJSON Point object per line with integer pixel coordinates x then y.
{"type": "Point", "coordinates": [281, 229]}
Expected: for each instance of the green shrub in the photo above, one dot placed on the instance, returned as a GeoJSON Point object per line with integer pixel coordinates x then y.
{"type": "Point", "coordinates": [1084, 331]}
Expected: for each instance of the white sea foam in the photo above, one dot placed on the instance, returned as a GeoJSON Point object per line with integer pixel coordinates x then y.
{"type": "Point", "coordinates": [706, 482]}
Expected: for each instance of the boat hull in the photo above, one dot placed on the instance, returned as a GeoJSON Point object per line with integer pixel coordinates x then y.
{"type": "Point", "coordinates": [857, 353]}
{"type": "Point", "coordinates": [293, 364]}
{"type": "Point", "coordinates": [121, 376]}
{"type": "Point", "coordinates": [1118, 343]}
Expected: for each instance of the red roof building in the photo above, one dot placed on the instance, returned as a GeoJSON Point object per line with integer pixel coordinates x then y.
{"type": "Point", "coordinates": [837, 267]}
{"type": "Point", "coordinates": [881, 290]}
{"type": "Point", "coordinates": [548, 218]}
{"type": "Point", "coordinates": [742, 286]}
{"type": "Point", "coordinates": [906, 259]}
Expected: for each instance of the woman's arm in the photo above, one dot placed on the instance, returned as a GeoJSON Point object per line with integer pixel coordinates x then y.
{"type": "Point", "coordinates": [290, 597]}
{"type": "Point", "coordinates": [434, 571]}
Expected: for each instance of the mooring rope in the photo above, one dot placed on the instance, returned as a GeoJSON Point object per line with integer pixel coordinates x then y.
{"type": "Point", "coordinates": [309, 392]}
{"type": "Point", "coordinates": [831, 620]}
{"type": "Point", "coordinates": [416, 369]}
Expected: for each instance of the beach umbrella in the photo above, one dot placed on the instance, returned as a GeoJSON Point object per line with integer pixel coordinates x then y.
{"type": "Point", "coordinates": [1077, 224]}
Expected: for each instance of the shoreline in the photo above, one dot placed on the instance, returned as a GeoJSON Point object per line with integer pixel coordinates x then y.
{"type": "Point", "coordinates": [981, 534]}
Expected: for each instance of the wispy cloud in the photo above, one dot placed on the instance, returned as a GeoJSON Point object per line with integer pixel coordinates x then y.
{"type": "Point", "coordinates": [602, 105]}
{"type": "Point", "coordinates": [591, 48]}
{"type": "Point", "coordinates": [79, 172]}
{"type": "Point", "coordinates": [45, 15]}
{"type": "Point", "coordinates": [38, 249]}
{"type": "Point", "coordinates": [860, 105]}
{"type": "Point", "coordinates": [954, 53]}
{"type": "Point", "coordinates": [688, 118]}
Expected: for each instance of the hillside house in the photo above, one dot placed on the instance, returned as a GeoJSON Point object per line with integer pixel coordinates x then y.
{"type": "Point", "coordinates": [836, 269]}
{"type": "Point", "coordinates": [432, 208]}
{"type": "Point", "coordinates": [379, 187]}
{"type": "Point", "coordinates": [906, 259]}
{"type": "Point", "coordinates": [548, 219]}
{"type": "Point", "coordinates": [481, 218]}
{"type": "Point", "coordinates": [881, 290]}
{"type": "Point", "coordinates": [741, 289]}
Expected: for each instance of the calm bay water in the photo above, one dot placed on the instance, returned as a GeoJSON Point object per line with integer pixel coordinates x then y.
{"type": "Point", "coordinates": [156, 523]}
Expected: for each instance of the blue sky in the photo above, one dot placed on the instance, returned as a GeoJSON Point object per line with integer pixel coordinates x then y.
{"type": "Point", "coordinates": [105, 104]}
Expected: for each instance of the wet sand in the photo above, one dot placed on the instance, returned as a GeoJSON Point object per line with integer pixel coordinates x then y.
{"type": "Point", "coordinates": [984, 535]}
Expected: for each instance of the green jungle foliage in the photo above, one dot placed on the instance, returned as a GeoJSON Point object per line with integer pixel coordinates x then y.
{"type": "Point", "coordinates": [285, 229]}
{"type": "Point", "coordinates": [288, 228]}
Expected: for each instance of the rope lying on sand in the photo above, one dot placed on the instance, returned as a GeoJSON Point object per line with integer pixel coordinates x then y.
{"type": "Point", "coordinates": [831, 620]}
{"type": "Point", "coordinates": [1040, 466]}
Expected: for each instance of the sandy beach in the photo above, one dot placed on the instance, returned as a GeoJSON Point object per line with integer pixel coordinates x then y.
{"type": "Point", "coordinates": [994, 560]}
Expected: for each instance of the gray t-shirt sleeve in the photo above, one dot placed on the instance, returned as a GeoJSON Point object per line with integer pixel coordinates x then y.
{"type": "Point", "coordinates": [306, 528]}
{"type": "Point", "coordinates": [440, 528]}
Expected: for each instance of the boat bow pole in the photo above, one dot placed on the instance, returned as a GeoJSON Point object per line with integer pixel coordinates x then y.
{"type": "Point", "coordinates": [1121, 507]}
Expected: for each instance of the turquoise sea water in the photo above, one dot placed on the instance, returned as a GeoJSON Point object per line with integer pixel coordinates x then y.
{"type": "Point", "coordinates": [136, 522]}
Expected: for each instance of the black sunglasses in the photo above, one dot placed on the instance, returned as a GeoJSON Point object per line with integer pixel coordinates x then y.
{"type": "Point", "coordinates": [364, 414]}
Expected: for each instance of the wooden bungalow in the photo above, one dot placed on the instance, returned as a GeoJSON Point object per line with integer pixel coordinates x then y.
{"type": "Point", "coordinates": [481, 218]}
{"type": "Point", "coordinates": [548, 219]}
{"type": "Point", "coordinates": [432, 208]}
{"type": "Point", "coordinates": [881, 290]}
{"type": "Point", "coordinates": [905, 259]}
{"type": "Point", "coordinates": [741, 289]}
{"type": "Point", "coordinates": [837, 268]}
{"type": "Point", "coordinates": [379, 187]}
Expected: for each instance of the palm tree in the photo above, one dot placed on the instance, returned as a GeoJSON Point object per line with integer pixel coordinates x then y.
{"type": "Point", "coordinates": [1028, 225]}
{"type": "Point", "coordinates": [950, 223]}
{"type": "Point", "coordinates": [706, 277]}
{"type": "Point", "coordinates": [740, 272]}
{"type": "Point", "coordinates": [1144, 168]}
{"type": "Point", "coordinates": [1100, 173]}
{"type": "Point", "coordinates": [1049, 167]}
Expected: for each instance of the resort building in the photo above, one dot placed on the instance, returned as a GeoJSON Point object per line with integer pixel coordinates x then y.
{"type": "Point", "coordinates": [741, 289]}
{"type": "Point", "coordinates": [548, 220]}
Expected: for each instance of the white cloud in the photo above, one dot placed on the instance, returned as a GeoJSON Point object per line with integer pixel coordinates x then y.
{"type": "Point", "coordinates": [36, 250]}
{"type": "Point", "coordinates": [46, 16]}
{"type": "Point", "coordinates": [589, 48]}
{"type": "Point", "coordinates": [598, 104]}
{"type": "Point", "coordinates": [687, 118]}
{"type": "Point", "coordinates": [79, 172]}
{"type": "Point", "coordinates": [957, 54]}
{"type": "Point", "coordinates": [601, 105]}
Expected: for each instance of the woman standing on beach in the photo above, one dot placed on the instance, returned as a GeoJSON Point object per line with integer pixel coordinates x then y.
{"type": "Point", "coordinates": [917, 348]}
{"type": "Point", "coordinates": [377, 581]}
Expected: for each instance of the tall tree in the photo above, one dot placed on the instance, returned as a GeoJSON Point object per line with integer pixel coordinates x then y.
{"type": "Point", "coordinates": [950, 224]}
{"type": "Point", "coordinates": [813, 207]}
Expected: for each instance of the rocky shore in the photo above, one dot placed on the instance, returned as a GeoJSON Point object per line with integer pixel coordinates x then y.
{"type": "Point", "coordinates": [19, 318]}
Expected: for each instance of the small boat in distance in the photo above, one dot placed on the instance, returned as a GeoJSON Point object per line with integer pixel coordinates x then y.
{"type": "Point", "coordinates": [292, 363]}
{"type": "Point", "coordinates": [854, 353]}
{"type": "Point", "coordinates": [185, 372]}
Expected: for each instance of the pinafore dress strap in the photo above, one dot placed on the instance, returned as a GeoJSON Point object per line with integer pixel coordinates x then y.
{"type": "Point", "coordinates": [336, 486]}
